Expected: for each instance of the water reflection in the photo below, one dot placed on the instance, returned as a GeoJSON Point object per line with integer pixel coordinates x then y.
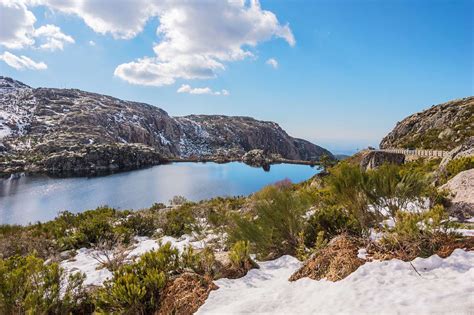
{"type": "Point", "coordinates": [40, 198]}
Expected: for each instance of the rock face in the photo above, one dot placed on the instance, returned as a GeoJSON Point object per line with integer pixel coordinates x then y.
{"type": "Point", "coordinates": [374, 159]}
{"type": "Point", "coordinates": [461, 187]}
{"type": "Point", "coordinates": [441, 127]}
{"type": "Point", "coordinates": [464, 150]}
{"type": "Point", "coordinates": [38, 125]}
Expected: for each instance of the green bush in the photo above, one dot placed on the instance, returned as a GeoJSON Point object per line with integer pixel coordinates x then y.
{"type": "Point", "coordinates": [456, 166]}
{"type": "Point", "coordinates": [389, 188]}
{"type": "Point", "coordinates": [278, 216]}
{"type": "Point", "coordinates": [419, 234]}
{"type": "Point", "coordinates": [28, 285]}
{"type": "Point", "coordinates": [178, 221]}
{"type": "Point", "coordinates": [348, 183]}
{"type": "Point", "coordinates": [239, 254]}
{"type": "Point", "coordinates": [136, 288]}
{"type": "Point", "coordinates": [141, 225]}
{"type": "Point", "coordinates": [331, 221]}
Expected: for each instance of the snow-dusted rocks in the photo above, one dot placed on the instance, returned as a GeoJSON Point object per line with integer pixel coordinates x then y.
{"type": "Point", "coordinates": [37, 123]}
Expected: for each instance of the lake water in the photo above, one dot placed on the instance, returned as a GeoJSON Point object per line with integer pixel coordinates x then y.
{"type": "Point", "coordinates": [39, 198]}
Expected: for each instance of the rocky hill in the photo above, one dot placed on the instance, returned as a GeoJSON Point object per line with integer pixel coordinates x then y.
{"type": "Point", "coordinates": [55, 130]}
{"type": "Point", "coordinates": [441, 127]}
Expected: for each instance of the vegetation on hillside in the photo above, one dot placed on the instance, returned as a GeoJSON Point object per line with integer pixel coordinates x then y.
{"type": "Point", "coordinates": [283, 218]}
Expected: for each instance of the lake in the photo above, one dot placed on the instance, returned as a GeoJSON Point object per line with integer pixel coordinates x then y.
{"type": "Point", "coordinates": [39, 198]}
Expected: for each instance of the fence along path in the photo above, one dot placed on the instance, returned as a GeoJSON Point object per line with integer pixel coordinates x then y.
{"type": "Point", "coordinates": [417, 152]}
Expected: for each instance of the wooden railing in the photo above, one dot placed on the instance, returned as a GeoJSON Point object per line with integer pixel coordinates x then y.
{"type": "Point", "coordinates": [418, 152]}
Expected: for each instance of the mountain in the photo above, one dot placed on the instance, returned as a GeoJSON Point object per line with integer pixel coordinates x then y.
{"type": "Point", "coordinates": [55, 130]}
{"type": "Point", "coordinates": [441, 127]}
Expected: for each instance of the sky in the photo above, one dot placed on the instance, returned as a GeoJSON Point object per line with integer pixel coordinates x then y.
{"type": "Point", "coordinates": [339, 73]}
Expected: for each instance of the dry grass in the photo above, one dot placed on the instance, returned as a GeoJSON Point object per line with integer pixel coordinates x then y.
{"type": "Point", "coordinates": [334, 262]}
{"type": "Point", "coordinates": [408, 249]}
{"type": "Point", "coordinates": [185, 294]}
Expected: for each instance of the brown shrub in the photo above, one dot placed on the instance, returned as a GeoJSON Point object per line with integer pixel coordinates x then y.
{"type": "Point", "coordinates": [185, 294]}
{"type": "Point", "coordinates": [408, 249]}
{"type": "Point", "coordinates": [334, 262]}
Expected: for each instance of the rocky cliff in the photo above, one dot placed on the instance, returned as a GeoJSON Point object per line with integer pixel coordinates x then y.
{"type": "Point", "coordinates": [441, 127]}
{"type": "Point", "coordinates": [42, 129]}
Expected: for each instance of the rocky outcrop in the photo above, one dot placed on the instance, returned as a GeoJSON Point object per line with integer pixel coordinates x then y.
{"type": "Point", "coordinates": [464, 150]}
{"type": "Point", "coordinates": [461, 188]}
{"type": "Point", "coordinates": [441, 127]}
{"type": "Point", "coordinates": [48, 124]}
{"type": "Point", "coordinates": [373, 159]}
{"type": "Point", "coordinates": [258, 158]}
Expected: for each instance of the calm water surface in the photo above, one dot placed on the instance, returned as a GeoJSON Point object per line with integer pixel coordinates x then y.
{"type": "Point", "coordinates": [40, 198]}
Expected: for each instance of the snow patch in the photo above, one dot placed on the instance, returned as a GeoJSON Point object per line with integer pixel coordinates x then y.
{"type": "Point", "coordinates": [388, 287]}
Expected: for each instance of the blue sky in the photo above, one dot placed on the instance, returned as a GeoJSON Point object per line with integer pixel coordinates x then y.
{"type": "Point", "coordinates": [346, 71]}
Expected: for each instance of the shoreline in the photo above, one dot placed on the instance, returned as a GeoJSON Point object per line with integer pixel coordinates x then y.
{"type": "Point", "coordinates": [110, 171]}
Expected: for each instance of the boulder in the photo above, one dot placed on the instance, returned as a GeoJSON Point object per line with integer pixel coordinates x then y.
{"type": "Point", "coordinates": [463, 150]}
{"type": "Point", "coordinates": [374, 159]}
{"type": "Point", "coordinates": [461, 187]}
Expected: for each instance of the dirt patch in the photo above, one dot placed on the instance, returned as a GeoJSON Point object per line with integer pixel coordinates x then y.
{"type": "Point", "coordinates": [334, 262]}
{"type": "Point", "coordinates": [185, 294]}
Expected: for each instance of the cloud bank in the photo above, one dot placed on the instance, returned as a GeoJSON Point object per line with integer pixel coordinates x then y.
{"type": "Point", "coordinates": [194, 39]}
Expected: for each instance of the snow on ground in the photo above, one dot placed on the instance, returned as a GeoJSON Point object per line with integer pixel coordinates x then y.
{"type": "Point", "coordinates": [85, 262]}
{"type": "Point", "coordinates": [388, 287]}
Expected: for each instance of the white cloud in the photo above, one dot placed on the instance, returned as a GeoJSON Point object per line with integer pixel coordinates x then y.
{"type": "Point", "coordinates": [91, 43]}
{"type": "Point", "coordinates": [52, 38]}
{"type": "Point", "coordinates": [21, 62]}
{"type": "Point", "coordinates": [195, 39]}
{"type": "Point", "coordinates": [17, 29]}
{"type": "Point", "coordinates": [123, 19]}
{"type": "Point", "coordinates": [272, 62]}
{"type": "Point", "coordinates": [198, 38]}
{"type": "Point", "coordinates": [186, 88]}
{"type": "Point", "coordinates": [16, 24]}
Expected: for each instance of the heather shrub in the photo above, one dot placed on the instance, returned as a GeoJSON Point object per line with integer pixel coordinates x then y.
{"type": "Point", "coordinates": [330, 220]}
{"type": "Point", "coordinates": [349, 184]}
{"type": "Point", "coordinates": [136, 288]}
{"type": "Point", "coordinates": [239, 254]}
{"type": "Point", "coordinates": [418, 234]}
{"type": "Point", "coordinates": [273, 226]}
{"type": "Point", "coordinates": [390, 189]}
{"type": "Point", "coordinates": [139, 224]}
{"type": "Point", "coordinates": [456, 166]}
{"type": "Point", "coordinates": [178, 221]}
{"type": "Point", "coordinates": [28, 285]}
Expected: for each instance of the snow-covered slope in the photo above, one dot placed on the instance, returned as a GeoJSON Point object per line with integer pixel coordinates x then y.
{"type": "Point", "coordinates": [446, 286]}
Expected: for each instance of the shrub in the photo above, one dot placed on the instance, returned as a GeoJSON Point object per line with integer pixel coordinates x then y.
{"type": "Point", "coordinates": [279, 217]}
{"type": "Point", "coordinates": [456, 166]}
{"type": "Point", "coordinates": [240, 254]}
{"type": "Point", "coordinates": [28, 285]}
{"type": "Point", "coordinates": [136, 288]}
{"type": "Point", "coordinates": [178, 221]}
{"type": "Point", "coordinates": [330, 221]}
{"type": "Point", "coordinates": [202, 262]}
{"type": "Point", "coordinates": [418, 234]}
{"type": "Point", "coordinates": [141, 225]}
{"type": "Point", "coordinates": [349, 183]}
{"type": "Point", "coordinates": [389, 188]}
